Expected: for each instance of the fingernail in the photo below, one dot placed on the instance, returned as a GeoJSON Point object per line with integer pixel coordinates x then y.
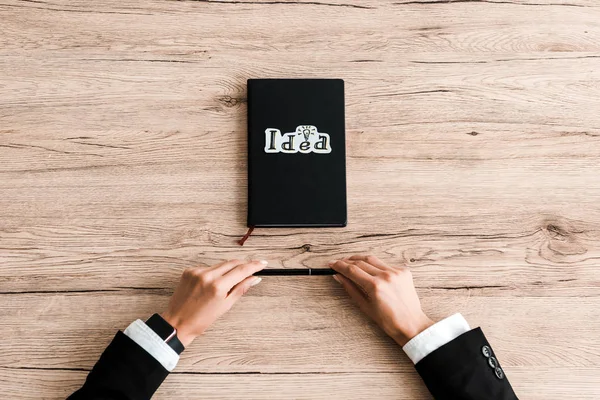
{"type": "Point", "coordinates": [331, 262]}
{"type": "Point", "coordinates": [263, 262]}
{"type": "Point", "coordinates": [256, 282]}
{"type": "Point", "coordinates": [337, 279]}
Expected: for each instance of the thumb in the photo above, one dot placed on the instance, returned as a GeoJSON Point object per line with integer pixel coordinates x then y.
{"type": "Point", "coordinates": [241, 288]}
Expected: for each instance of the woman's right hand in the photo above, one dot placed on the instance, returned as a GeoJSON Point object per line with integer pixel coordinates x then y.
{"type": "Point", "coordinates": [386, 294]}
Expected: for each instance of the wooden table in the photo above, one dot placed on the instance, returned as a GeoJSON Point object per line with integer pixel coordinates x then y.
{"type": "Point", "coordinates": [473, 131]}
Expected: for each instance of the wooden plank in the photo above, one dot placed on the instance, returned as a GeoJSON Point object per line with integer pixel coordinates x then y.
{"type": "Point", "coordinates": [88, 235]}
{"type": "Point", "coordinates": [293, 325]}
{"type": "Point", "coordinates": [159, 102]}
{"type": "Point", "coordinates": [501, 267]}
{"type": "Point", "coordinates": [540, 383]}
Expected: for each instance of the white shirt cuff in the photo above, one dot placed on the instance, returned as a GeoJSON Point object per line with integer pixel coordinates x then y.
{"type": "Point", "coordinates": [148, 340]}
{"type": "Point", "coordinates": [435, 337]}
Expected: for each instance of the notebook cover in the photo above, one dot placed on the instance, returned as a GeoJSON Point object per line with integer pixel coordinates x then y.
{"type": "Point", "coordinates": [296, 153]}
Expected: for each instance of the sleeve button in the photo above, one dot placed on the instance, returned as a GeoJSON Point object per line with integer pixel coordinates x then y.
{"type": "Point", "coordinates": [486, 351]}
{"type": "Point", "coordinates": [492, 362]}
{"type": "Point", "coordinates": [499, 373]}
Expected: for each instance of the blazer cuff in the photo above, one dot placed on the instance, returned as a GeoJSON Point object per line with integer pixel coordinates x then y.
{"type": "Point", "coordinates": [435, 337]}
{"type": "Point", "coordinates": [148, 340]}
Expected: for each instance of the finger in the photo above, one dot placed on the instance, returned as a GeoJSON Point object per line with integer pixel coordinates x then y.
{"type": "Point", "coordinates": [368, 268]}
{"type": "Point", "coordinates": [354, 273]}
{"type": "Point", "coordinates": [242, 288]}
{"type": "Point", "coordinates": [241, 272]}
{"type": "Point", "coordinates": [222, 268]}
{"type": "Point", "coordinates": [197, 269]}
{"type": "Point", "coordinates": [355, 293]}
{"type": "Point", "coordinates": [374, 261]}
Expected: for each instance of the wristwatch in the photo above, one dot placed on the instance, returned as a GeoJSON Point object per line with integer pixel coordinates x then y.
{"type": "Point", "coordinates": [166, 332]}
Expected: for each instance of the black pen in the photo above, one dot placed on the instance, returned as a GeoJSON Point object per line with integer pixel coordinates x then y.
{"type": "Point", "coordinates": [295, 271]}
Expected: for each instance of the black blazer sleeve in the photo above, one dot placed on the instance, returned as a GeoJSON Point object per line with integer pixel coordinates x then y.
{"type": "Point", "coordinates": [465, 369]}
{"type": "Point", "coordinates": [125, 371]}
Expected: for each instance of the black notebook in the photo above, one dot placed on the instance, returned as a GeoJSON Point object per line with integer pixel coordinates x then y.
{"type": "Point", "coordinates": [296, 153]}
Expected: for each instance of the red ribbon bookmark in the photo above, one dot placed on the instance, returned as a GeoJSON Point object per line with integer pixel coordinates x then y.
{"type": "Point", "coordinates": [246, 236]}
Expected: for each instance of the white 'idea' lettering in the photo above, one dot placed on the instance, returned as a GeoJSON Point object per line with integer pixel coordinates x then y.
{"type": "Point", "coordinates": [306, 139]}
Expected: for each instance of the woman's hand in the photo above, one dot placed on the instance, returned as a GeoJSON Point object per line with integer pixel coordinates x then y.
{"type": "Point", "coordinates": [206, 293]}
{"type": "Point", "coordinates": [386, 294]}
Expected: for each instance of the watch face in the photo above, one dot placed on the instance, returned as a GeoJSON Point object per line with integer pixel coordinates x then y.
{"type": "Point", "coordinates": [161, 327]}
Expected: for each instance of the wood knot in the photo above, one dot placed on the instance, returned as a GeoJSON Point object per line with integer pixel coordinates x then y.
{"type": "Point", "coordinates": [557, 232]}
{"type": "Point", "coordinates": [229, 101]}
{"type": "Point", "coordinates": [563, 241]}
{"type": "Point", "coordinates": [306, 247]}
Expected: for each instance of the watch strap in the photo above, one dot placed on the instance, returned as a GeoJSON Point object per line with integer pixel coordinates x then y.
{"type": "Point", "coordinates": [166, 332]}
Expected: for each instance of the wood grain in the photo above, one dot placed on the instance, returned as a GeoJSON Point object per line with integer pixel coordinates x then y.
{"type": "Point", "coordinates": [306, 329]}
{"type": "Point", "coordinates": [51, 384]}
{"type": "Point", "coordinates": [473, 156]}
